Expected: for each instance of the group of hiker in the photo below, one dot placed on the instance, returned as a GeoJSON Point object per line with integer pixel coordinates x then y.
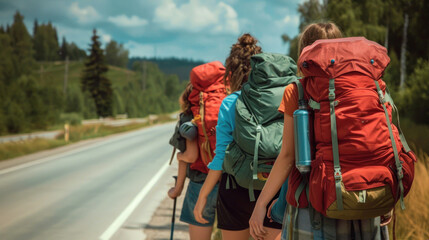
{"type": "Point", "coordinates": [276, 149]}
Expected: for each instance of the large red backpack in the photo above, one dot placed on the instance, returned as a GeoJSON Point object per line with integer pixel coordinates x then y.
{"type": "Point", "coordinates": [362, 164]}
{"type": "Point", "coordinates": [208, 91]}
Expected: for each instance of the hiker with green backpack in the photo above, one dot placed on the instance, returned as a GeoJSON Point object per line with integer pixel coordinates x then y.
{"type": "Point", "coordinates": [248, 136]}
{"type": "Point", "coordinates": [361, 164]}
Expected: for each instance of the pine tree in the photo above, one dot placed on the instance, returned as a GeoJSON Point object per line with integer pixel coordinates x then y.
{"type": "Point", "coordinates": [35, 27]}
{"type": "Point", "coordinates": [7, 70]}
{"type": "Point", "coordinates": [22, 45]}
{"type": "Point", "coordinates": [94, 80]}
{"type": "Point", "coordinates": [45, 42]}
{"type": "Point", "coordinates": [116, 54]}
{"type": "Point", "coordinates": [64, 49]}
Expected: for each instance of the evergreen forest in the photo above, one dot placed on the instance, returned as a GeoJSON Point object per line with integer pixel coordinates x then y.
{"type": "Point", "coordinates": [41, 80]}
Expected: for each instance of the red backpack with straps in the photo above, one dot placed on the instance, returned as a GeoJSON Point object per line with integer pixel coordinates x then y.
{"type": "Point", "coordinates": [362, 164]}
{"type": "Point", "coordinates": [208, 91]}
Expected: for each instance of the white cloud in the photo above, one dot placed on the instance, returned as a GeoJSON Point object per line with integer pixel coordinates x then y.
{"type": "Point", "coordinates": [125, 21]}
{"type": "Point", "coordinates": [106, 38]}
{"type": "Point", "coordinates": [290, 20]}
{"type": "Point", "coordinates": [228, 19]}
{"type": "Point", "coordinates": [137, 49]}
{"type": "Point", "coordinates": [84, 14]}
{"type": "Point", "coordinates": [195, 16]}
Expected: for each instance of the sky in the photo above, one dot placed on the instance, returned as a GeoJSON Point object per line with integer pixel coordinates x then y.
{"type": "Point", "coordinates": [192, 29]}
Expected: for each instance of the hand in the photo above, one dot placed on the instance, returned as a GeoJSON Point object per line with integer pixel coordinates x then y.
{"type": "Point", "coordinates": [269, 209]}
{"type": "Point", "coordinates": [174, 192]}
{"type": "Point", "coordinates": [198, 210]}
{"type": "Point", "coordinates": [386, 219]}
{"type": "Point", "coordinates": [256, 222]}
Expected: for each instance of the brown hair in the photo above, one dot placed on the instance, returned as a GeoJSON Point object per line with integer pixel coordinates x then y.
{"type": "Point", "coordinates": [316, 31]}
{"type": "Point", "coordinates": [238, 62]}
{"type": "Point", "coordinates": [185, 104]}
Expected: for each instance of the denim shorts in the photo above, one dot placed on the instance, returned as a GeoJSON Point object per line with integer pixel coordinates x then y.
{"type": "Point", "coordinates": [190, 200]}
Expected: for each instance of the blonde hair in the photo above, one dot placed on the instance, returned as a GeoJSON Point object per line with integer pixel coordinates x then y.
{"type": "Point", "coordinates": [185, 104]}
{"type": "Point", "coordinates": [316, 31]}
{"type": "Point", "coordinates": [237, 64]}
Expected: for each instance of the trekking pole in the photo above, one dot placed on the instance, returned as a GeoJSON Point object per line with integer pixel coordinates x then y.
{"type": "Point", "coordinates": [172, 156]}
{"type": "Point", "coordinates": [174, 212]}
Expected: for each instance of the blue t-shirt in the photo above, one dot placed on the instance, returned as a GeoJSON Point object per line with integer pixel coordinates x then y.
{"type": "Point", "coordinates": [224, 128]}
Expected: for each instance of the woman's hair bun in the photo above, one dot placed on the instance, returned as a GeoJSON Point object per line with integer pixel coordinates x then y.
{"type": "Point", "coordinates": [247, 39]}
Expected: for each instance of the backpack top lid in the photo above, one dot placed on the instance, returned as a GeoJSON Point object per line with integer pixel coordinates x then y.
{"type": "Point", "coordinates": [271, 70]}
{"type": "Point", "coordinates": [331, 58]}
{"type": "Point", "coordinates": [263, 92]}
{"type": "Point", "coordinates": [208, 77]}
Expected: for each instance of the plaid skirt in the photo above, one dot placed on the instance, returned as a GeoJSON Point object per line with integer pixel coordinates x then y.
{"type": "Point", "coordinates": [299, 226]}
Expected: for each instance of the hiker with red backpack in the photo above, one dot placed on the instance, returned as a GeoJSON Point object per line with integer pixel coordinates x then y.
{"type": "Point", "coordinates": [200, 102]}
{"type": "Point", "coordinates": [255, 79]}
{"type": "Point", "coordinates": [361, 164]}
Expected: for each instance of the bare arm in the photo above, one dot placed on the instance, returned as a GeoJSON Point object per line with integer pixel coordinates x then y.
{"type": "Point", "coordinates": [175, 191]}
{"type": "Point", "coordinates": [280, 171]}
{"type": "Point", "coordinates": [210, 182]}
{"type": "Point", "coordinates": [191, 153]}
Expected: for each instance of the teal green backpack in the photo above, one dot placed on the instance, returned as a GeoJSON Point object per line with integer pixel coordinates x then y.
{"type": "Point", "coordinates": [258, 124]}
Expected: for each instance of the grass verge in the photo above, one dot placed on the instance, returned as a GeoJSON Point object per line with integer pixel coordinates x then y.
{"type": "Point", "coordinates": [77, 133]}
{"type": "Point", "coordinates": [413, 222]}
{"type": "Point", "coordinates": [17, 149]}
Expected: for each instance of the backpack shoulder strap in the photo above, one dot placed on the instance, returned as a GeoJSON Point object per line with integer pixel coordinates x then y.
{"type": "Point", "coordinates": [300, 89]}
{"type": "Point", "coordinates": [389, 99]}
{"type": "Point", "coordinates": [301, 97]}
{"type": "Point", "coordinates": [399, 172]}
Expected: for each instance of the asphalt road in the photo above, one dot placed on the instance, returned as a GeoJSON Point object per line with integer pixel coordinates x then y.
{"type": "Point", "coordinates": [89, 192]}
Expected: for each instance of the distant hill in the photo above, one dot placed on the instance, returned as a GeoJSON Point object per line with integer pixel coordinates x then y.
{"type": "Point", "coordinates": [135, 95]}
{"type": "Point", "coordinates": [177, 66]}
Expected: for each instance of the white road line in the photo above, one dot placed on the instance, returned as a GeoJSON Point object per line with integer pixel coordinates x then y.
{"type": "Point", "coordinates": [133, 205]}
{"type": "Point", "coordinates": [80, 149]}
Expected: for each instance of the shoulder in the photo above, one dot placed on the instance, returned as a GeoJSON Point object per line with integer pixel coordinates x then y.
{"type": "Point", "coordinates": [290, 100]}
{"type": "Point", "coordinates": [230, 100]}
{"type": "Point", "coordinates": [291, 91]}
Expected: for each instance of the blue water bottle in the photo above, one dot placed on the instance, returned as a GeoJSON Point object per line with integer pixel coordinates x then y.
{"type": "Point", "coordinates": [302, 138]}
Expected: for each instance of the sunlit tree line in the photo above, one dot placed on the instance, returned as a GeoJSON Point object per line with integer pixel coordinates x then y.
{"type": "Point", "coordinates": [400, 26]}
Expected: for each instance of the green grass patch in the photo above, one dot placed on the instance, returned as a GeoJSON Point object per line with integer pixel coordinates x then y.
{"type": "Point", "coordinates": [17, 149]}
{"type": "Point", "coordinates": [83, 132]}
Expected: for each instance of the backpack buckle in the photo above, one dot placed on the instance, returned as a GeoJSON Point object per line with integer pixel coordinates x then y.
{"type": "Point", "coordinates": [259, 128]}
{"type": "Point", "coordinates": [337, 174]}
{"type": "Point", "coordinates": [381, 96]}
{"type": "Point", "coordinates": [400, 174]}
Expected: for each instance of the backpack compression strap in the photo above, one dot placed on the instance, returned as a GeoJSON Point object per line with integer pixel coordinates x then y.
{"type": "Point", "coordinates": [335, 151]}
{"type": "Point", "coordinates": [398, 163]}
{"type": "Point", "coordinates": [255, 151]}
{"type": "Point", "coordinates": [255, 162]}
{"type": "Point", "coordinates": [206, 144]}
